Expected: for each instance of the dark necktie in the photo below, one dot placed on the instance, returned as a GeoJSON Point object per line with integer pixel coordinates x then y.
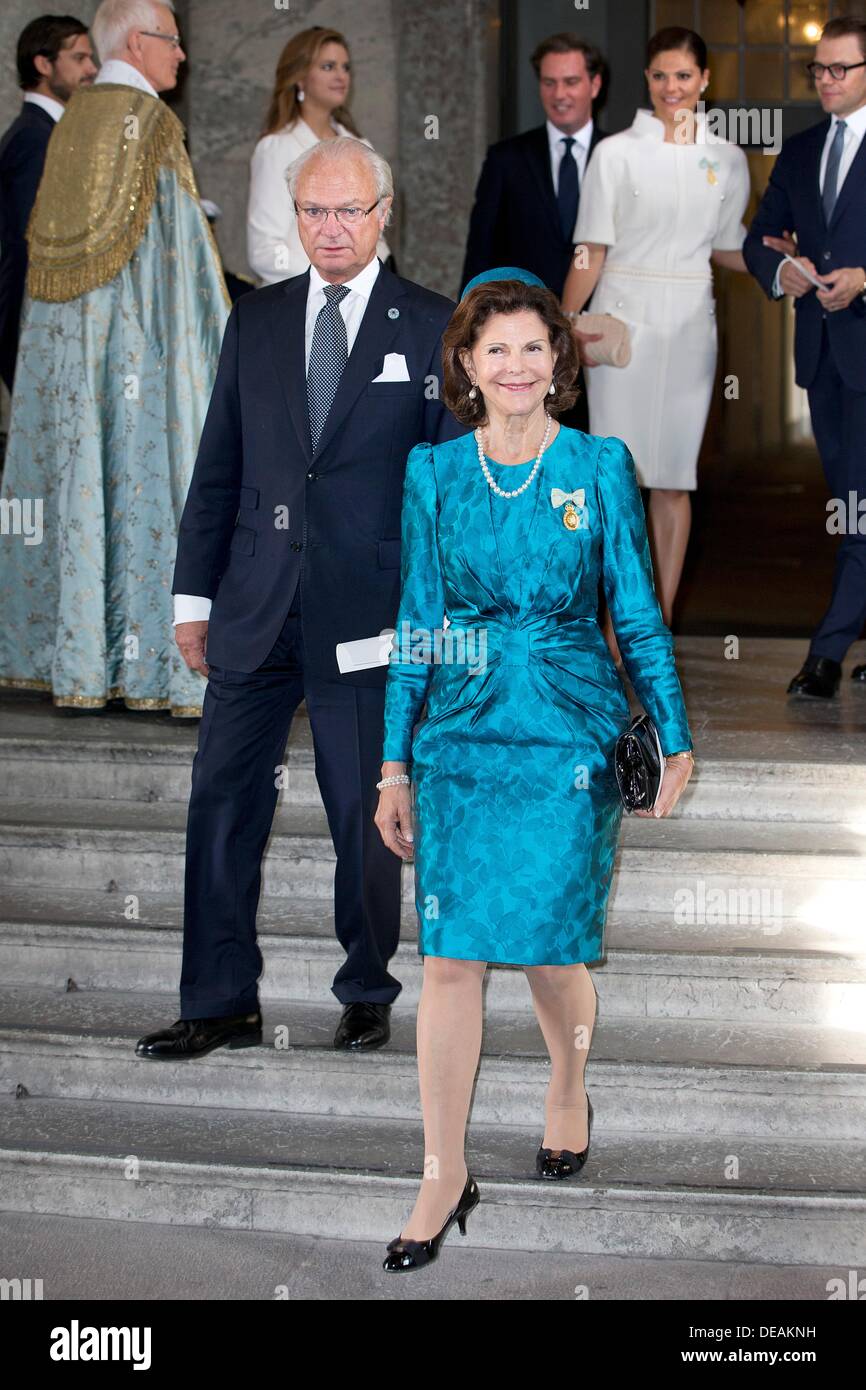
{"type": "Point", "coordinates": [831, 173]}
{"type": "Point", "coordinates": [568, 192]}
{"type": "Point", "coordinates": [329, 353]}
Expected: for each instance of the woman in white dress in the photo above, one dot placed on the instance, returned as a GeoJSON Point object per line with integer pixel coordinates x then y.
{"type": "Point", "coordinates": [309, 104]}
{"type": "Point", "coordinates": [659, 203]}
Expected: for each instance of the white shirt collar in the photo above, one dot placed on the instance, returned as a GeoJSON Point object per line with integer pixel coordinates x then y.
{"type": "Point", "coordinates": [555, 136]}
{"type": "Point", "coordinates": [54, 108]}
{"type": "Point", "coordinates": [125, 75]}
{"type": "Point", "coordinates": [362, 284]}
{"type": "Point", "coordinates": [855, 123]}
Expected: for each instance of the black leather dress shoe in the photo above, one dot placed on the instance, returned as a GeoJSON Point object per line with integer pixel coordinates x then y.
{"type": "Point", "coordinates": [193, 1037]}
{"type": "Point", "coordinates": [859, 674]}
{"type": "Point", "coordinates": [562, 1163]}
{"type": "Point", "coordinates": [819, 677]}
{"type": "Point", "coordinates": [363, 1025]}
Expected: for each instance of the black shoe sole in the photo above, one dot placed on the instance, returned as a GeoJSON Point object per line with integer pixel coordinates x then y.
{"type": "Point", "coordinates": [361, 1047]}
{"type": "Point", "coordinates": [245, 1040]}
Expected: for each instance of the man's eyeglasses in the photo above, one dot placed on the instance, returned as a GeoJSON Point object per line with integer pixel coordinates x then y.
{"type": "Point", "coordinates": [173, 39]}
{"type": "Point", "coordinates": [838, 71]}
{"type": "Point", "coordinates": [347, 217]}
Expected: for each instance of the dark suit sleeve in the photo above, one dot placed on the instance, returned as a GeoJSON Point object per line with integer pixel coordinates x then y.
{"type": "Point", "coordinates": [439, 423]}
{"type": "Point", "coordinates": [25, 161]}
{"type": "Point", "coordinates": [211, 508]}
{"type": "Point", "coordinates": [483, 242]}
{"type": "Point", "coordinates": [774, 215]}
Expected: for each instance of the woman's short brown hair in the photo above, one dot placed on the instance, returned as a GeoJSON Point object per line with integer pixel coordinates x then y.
{"type": "Point", "coordinates": [470, 316]}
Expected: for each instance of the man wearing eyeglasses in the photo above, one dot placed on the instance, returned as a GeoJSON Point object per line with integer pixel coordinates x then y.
{"type": "Point", "coordinates": [287, 576]}
{"type": "Point", "coordinates": [119, 350]}
{"type": "Point", "coordinates": [817, 191]}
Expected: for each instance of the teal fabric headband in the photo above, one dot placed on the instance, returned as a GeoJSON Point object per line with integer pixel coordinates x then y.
{"type": "Point", "coordinates": [503, 272]}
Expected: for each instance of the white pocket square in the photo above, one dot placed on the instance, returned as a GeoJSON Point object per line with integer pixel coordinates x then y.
{"type": "Point", "coordinates": [395, 368]}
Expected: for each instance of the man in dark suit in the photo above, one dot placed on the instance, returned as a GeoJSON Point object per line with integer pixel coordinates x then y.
{"type": "Point", "coordinates": [292, 528]}
{"type": "Point", "coordinates": [528, 193]}
{"type": "Point", "coordinates": [54, 57]}
{"type": "Point", "coordinates": [817, 190]}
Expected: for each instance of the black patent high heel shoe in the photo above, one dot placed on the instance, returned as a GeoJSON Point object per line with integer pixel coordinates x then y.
{"type": "Point", "coordinates": [412, 1254]}
{"type": "Point", "coordinates": [563, 1163]}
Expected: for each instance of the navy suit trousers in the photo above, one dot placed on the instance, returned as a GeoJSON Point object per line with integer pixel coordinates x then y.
{"type": "Point", "coordinates": [839, 425]}
{"type": "Point", "coordinates": [246, 718]}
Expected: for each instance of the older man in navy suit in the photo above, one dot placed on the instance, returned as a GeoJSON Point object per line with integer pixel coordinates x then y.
{"type": "Point", "coordinates": [54, 57]}
{"type": "Point", "coordinates": [818, 191]}
{"type": "Point", "coordinates": [289, 547]}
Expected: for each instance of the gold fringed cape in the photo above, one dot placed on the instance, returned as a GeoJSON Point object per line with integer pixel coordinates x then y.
{"type": "Point", "coordinates": [120, 342]}
{"type": "Point", "coordinates": [99, 186]}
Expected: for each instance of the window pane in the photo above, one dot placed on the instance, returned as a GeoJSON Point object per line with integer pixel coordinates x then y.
{"type": "Point", "coordinates": [800, 85]}
{"type": "Point", "coordinates": [720, 21]}
{"type": "Point", "coordinates": [724, 76]}
{"type": "Point", "coordinates": [806, 21]}
{"type": "Point", "coordinates": [681, 12]}
{"type": "Point", "coordinates": [763, 77]}
{"type": "Point", "coordinates": [765, 21]}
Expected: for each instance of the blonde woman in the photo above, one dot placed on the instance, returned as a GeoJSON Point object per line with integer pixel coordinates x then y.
{"type": "Point", "coordinates": [309, 104]}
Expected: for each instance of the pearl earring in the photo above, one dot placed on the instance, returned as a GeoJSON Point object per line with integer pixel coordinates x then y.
{"type": "Point", "coordinates": [552, 390]}
{"type": "Point", "coordinates": [473, 393]}
{"type": "Point", "coordinates": [300, 94]}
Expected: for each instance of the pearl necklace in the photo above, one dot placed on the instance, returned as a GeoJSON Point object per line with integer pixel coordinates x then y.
{"type": "Point", "coordinates": [492, 484]}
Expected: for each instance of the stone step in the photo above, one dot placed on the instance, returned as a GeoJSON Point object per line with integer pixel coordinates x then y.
{"type": "Point", "coordinates": [663, 1196]}
{"type": "Point", "coordinates": [653, 1076]}
{"type": "Point", "coordinates": [751, 987]}
{"type": "Point", "coordinates": [25, 905]}
{"type": "Point", "coordinates": [214, 1264]}
{"type": "Point", "coordinates": [107, 758]}
{"type": "Point", "coordinates": [697, 870]}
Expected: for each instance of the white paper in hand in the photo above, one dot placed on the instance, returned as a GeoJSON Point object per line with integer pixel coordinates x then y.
{"type": "Point", "coordinates": [366, 653]}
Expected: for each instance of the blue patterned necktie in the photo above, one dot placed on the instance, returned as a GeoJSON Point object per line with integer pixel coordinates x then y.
{"type": "Point", "coordinates": [568, 192]}
{"type": "Point", "coordinates": [831, 174]}
{"type": "Point", "coordinates": [329, 353]}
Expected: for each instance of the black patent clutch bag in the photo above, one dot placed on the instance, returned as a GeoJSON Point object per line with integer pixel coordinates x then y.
{"type": "Point", "coordinates": [639, 764]}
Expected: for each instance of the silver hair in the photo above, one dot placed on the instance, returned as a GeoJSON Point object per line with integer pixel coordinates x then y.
{"type": "Point", "coordinates": [115, 18]}
{"type": "Point", "coordinates": [344, 147]}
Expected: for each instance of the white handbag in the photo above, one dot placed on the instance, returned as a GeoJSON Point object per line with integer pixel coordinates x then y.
{"type": "Point", "coordinates": [614, 347]}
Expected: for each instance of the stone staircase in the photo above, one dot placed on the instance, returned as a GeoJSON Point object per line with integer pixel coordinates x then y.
{"type": "Point", "coordinates": [728, 1068]}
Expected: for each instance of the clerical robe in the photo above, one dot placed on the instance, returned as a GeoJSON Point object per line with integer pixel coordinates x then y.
{"type": "Point", "coordinates": [120, 341]}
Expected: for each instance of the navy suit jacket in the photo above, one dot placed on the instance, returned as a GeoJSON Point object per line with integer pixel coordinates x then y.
{"type": "Point", "coordinates": [793, 200]}
{"type": "Point", "coordinates": [22, 159]}
{"type": "Point", "coordinates": [515, 219]}
{"type": "Point", "coordinates": [262, 510]}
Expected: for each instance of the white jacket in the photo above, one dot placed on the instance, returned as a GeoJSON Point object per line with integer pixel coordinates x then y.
{"type": "Point", "coordinates": [274, 249]}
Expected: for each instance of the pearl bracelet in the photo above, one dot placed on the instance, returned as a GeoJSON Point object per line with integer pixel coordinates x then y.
{"type": "Point", "coordinates": [401, 778]}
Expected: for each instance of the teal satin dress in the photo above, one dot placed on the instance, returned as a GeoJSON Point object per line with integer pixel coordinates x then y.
{"type": "Point", "coordinates": [516, 804]}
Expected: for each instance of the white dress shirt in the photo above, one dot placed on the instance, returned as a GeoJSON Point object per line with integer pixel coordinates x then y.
{"type": "Point", "coordinates": [274, 249]}
{"type": "Point", "coordinates": [54, 108]}
{"type": "Point", "coordinates": [125, 75]}
{"type": "Point", "coordinates": [855, 128]}
{"type": "Point", "coordinates": [579, 150]}
{"type": "Point", "coordinates": [195, 608]}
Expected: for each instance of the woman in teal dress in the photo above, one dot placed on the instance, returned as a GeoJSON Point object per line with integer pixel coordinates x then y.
{"type": "Point", "coordinates": [506, 533]}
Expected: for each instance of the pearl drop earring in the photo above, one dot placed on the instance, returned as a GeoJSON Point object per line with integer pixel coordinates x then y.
{"type": "Point", "coordinates": [552, 390]}
{"type": "Point", "coordinates": [473, 393]}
